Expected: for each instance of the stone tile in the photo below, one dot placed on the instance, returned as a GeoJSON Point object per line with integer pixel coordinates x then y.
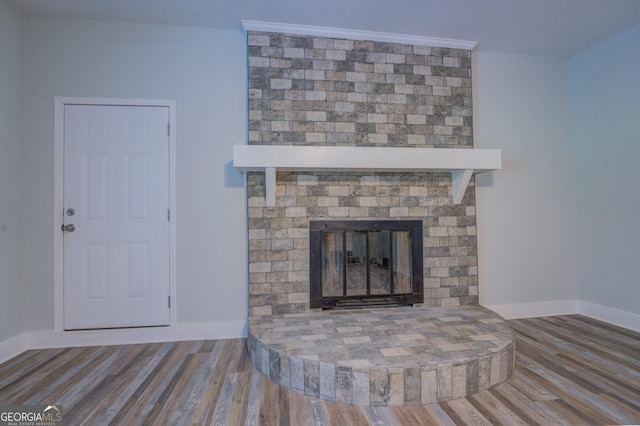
{"type": "Point", "coordinates": [410, 337]}
{"type": "Point", "coordinates": [505, 361]}
{"type": "Point", "coordinates": [393, 352]}
{"type": "Point", "coordinates": [285, 372]}
{"type": "Point", "coordinates": [484, 373]}
{"type": "Point", "coordinates": [451, 347]}
{"type": "Point", "coordinates": [311, 378]}
{"type": "Point", "coordinates": [350, 329]}
{"type": "Point", "coordinates": [378, 386]}
{"type": "Point", "coordinates": [264, 360]}
{"type": "Point", "coordinates": [274, 365]}
{"type": "Point", "coordinates": [473, 377]}
{"type": "Point", "coordinates": [459, 381]}
{"type": "Point", "coordinates": [360, 387]}
{"type": "Point", "coordinates": [445, 381]}
{"type": "Point", "coordinates": [494, 372]}
{"type": "Point", "coordinates": [412, 386]}
{"type": "Point", "coordinates": [344, 385]}
{"type": "Point", "coordinates": [359, 339]}
{"type": "Point", "coordinates": [327, 383]}
{"type": "Point", "coordinates": [356, 362]}
{"type": "Point", "coordinates": [297, 374]}
{"type": "Point", "coordinates": [396, 387]}
{"type": "Point", "coordinates": [429, 388]}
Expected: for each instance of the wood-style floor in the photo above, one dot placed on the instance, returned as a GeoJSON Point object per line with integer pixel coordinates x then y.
{"type": "Point", "coordinates": [570, 370]}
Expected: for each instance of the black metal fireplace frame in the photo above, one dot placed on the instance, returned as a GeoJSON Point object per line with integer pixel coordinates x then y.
{"type": "Point", "coordinates": [317, 228]}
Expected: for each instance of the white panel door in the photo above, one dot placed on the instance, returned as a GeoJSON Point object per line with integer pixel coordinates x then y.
{"type": "Point", "coordinates": [116, 202]}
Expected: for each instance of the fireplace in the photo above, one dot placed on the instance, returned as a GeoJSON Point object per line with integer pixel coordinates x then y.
{"type": "Point", "coordinates": [322, 92]}
{"type": "Point", "coordinates": [364, 262]}
{"type": "Point", "coordinates": [333, 230]}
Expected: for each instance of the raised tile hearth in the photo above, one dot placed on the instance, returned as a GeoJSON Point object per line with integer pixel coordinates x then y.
{"type": "Point", "coordinates": [384, 356]}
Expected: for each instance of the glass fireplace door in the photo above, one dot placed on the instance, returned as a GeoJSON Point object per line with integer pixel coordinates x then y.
{"type": "Point", "coordinates": [366, 262]}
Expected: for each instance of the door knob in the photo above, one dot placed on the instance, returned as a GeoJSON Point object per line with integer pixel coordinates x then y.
{"type": "Point", "coordinates": [68, 228]}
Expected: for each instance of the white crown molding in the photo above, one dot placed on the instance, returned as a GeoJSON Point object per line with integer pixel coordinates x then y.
{"type": "Point", "coordinates": [342, 33]}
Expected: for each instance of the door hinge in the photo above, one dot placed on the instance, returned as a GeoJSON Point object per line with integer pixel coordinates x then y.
{"type": "Point", "coordinates": [168, 215]}
{"type": "Point", "coordinates": [168, 129]}
{"type": "Point", "coordinates": [169, 301]}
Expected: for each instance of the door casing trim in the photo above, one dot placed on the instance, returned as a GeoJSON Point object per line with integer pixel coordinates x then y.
{"type": "Point", "coordinates": [58, 196]}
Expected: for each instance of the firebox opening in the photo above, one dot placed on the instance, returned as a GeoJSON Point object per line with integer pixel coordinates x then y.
{"type": "Point", "coordinates": [364, 263]}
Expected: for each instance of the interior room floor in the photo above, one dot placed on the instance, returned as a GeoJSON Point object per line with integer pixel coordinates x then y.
{"type": "Point", "coordinates": [569, 370]}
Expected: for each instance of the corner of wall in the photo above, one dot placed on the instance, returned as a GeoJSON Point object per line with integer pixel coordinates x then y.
{"type": "Point", "coordinates": [603, 313]}
{"type": "Point", "coordinates": [44, 339]}
{"type": "Point", "coordinates": [610, 315]}
{"type": "Point", "coordinates": [12, 171]}
{"type": "Point", "coordinates": [535, 309]}
{"type": "Point", "coordinates": [13, 347]}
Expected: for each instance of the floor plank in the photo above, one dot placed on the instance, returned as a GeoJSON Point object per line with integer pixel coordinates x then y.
{"type": "Point", "coordinates": [269, 414]}
{"type": "Point", "coordinates": [462, 412]}
{"type": "Point", "coordinates": [495, 412]}
{"type": "Point", "coordinates": [569, 370]}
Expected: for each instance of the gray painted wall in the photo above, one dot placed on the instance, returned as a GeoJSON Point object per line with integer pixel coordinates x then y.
{"type": "Point", "coordinates": [605, 95]}
{"type": "Point", "coordinates": [202, 69]}
{"type": "Point", "coordinates": [526, 214]}
{"type": "Point", "coordinates": [12, 200]}
{"type": "Point", "coordinates": [526, 232]}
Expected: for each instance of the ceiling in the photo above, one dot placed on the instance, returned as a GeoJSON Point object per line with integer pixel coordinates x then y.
{"type": "Point", "coordinates": [538, 27]}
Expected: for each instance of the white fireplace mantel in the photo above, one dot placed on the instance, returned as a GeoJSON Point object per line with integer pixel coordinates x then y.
{"type": "Point", "coordinates": [462, 163]}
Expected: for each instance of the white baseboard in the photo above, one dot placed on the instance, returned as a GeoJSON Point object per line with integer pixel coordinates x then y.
{"type": "Point", "coordinates": [606, 314]}
{"type": "Point", "coordinates": [12, 347]}
{"type": "Point", "coordinates": [128, 336]}
{"type": "Point", "coordinates": [535, 309]}
{"type": "Point", "coordinates": [238, 329]}
{"type": "Point", "coordinates": [610, 315]}
{"type": "Point", "coordinates": [57, 339]}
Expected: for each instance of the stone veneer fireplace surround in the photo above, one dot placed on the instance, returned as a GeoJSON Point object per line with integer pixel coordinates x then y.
{"type": "Point", "coordinates": [317, 93]}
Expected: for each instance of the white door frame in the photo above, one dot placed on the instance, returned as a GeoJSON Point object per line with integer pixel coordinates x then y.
{"type": "Point", "coordinates": [58, 197]}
